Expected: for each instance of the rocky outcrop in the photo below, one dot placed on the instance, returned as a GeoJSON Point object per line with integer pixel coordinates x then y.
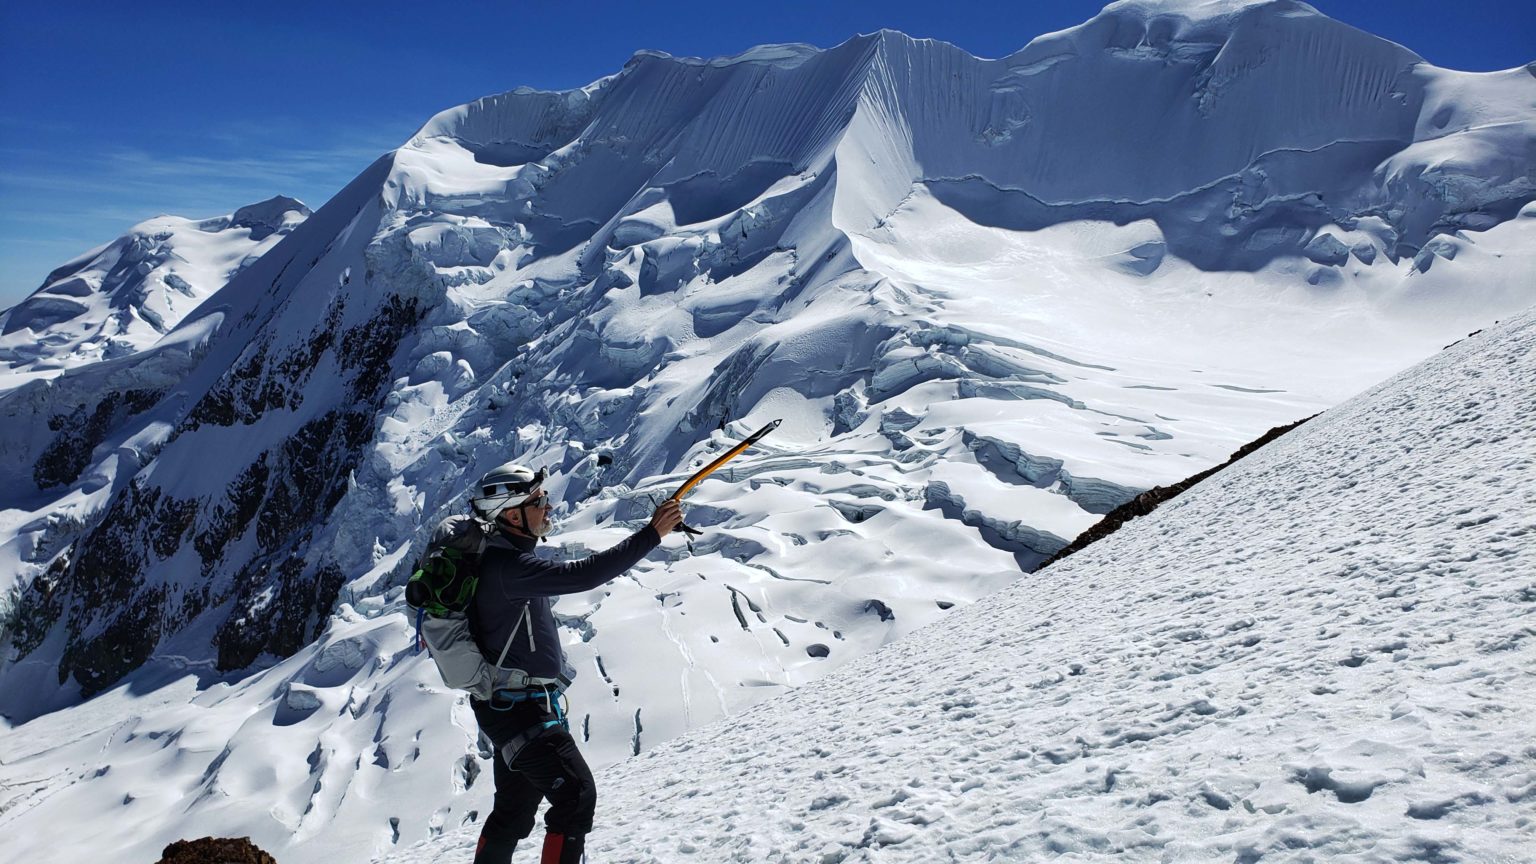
{"type": "Point", "coordinates": [275, 594]}
{"type": "Point", "coordinates": [1149, 500]}
{"type": "Point", "coordinates": [79, 433]}
{"type": "Point", "coordinates": [215, 850]}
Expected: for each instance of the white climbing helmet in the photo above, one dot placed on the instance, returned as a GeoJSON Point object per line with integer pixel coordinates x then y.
{"type": "Point", "coordinates": [504, 486]}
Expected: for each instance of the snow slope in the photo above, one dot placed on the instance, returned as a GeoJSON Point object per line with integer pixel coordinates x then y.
{"type": "Point", "coordinates": [975, 353]}
{"type": "Point", "coordinates": [121, 298]}
{"type": "Point", "coordinates": [1324, 652]}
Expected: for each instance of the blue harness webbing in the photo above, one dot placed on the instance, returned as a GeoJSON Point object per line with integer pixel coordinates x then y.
{"type": "Point", "coordinates": [503, 700]}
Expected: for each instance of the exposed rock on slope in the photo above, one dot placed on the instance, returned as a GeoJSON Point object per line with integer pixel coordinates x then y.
{"type": "Point", "coordinates": [1151, 499]}
{"type": "Point", "coordinates": [215, 850]}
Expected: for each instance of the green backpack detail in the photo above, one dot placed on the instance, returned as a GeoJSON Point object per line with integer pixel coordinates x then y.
{"type": "Point", "coordinates": [441, 593]}
{"type": "Point", "coordinates": [445, 584]}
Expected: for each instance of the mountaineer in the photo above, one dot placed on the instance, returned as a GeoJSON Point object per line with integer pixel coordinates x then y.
{"type": "Point", "coordinates": [515, 668]}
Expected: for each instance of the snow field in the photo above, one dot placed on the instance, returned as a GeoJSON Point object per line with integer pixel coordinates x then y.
{"type": "Point", "coordinates": [1323, 652]}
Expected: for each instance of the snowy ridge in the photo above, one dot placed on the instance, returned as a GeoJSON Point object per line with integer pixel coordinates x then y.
{"type": "Point", "coordinates": [1323, 650]}
{"type": "Point", "coordinates": [121, 298]}
{"type": "Point", "coordinates": [617, 282]}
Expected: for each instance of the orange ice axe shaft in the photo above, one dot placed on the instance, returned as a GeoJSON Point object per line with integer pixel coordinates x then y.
{"type": "Point", "coordinates": [724, 458]}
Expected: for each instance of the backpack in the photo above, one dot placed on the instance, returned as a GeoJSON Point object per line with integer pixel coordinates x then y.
{"type": "Point", "coordinates": [445, 584]}
{"type": "Point", "coordinates": [441, 592]}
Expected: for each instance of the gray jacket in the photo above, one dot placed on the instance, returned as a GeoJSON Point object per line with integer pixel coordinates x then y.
{"type": "Point", "coordinates": [512, 607]}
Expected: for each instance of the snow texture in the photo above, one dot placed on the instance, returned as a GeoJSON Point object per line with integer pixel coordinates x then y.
{"type": "Point", "coordinates": [1324, 652]}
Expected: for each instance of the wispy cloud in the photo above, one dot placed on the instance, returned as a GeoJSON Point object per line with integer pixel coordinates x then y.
{"type": "Point", "coordinates": [60, 203]}
{"type": "Point", "coordinates": [231, 163]}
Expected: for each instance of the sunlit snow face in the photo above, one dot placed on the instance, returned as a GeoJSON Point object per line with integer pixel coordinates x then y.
{"type": "Point", "coordinates": [530, 517]}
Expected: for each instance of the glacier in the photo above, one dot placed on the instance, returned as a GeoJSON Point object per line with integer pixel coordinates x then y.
{"type": "Point", "coordinates": [990, 300]}
{"type": "Point", "coordinates": [122, 298]}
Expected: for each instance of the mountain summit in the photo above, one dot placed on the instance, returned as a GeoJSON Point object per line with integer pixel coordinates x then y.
{"type": "Point", "coordinates": [990, 300]}
{"type": "Point", "coordinates": [123, 297]}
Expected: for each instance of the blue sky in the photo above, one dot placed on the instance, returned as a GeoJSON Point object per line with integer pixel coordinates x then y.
{"type": "Point", "coordinates": [112, 112]}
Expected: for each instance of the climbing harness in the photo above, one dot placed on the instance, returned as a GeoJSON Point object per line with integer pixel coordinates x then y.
{"type": "Point", "coordinates": [551, 694]}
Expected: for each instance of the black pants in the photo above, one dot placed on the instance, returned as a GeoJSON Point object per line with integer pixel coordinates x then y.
{"type": "Point", "coordinates": [548, 767]}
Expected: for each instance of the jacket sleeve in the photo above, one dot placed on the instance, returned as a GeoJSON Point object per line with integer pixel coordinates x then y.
{"type": "Point", "coordinates": [525, 574]}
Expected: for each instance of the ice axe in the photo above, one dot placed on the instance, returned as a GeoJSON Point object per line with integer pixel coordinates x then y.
{"type": "Point", "coordinates": [699, 475]}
